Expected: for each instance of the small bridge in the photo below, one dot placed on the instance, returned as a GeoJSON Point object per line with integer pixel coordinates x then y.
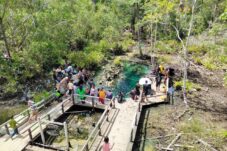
{"type": "Point", "coordinates": [118, 121]}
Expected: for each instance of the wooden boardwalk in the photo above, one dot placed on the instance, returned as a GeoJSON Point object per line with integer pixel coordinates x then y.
{"type": "Point", "coordinates": [119, 124]}
{"type": "Point", "coordinates": [18, 143]}
{"type": "Point", "coordinates": [124, 127]}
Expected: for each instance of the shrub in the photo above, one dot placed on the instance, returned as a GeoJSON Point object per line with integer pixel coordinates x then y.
{"type": "Point", "coordinates": [168, 46]}
{"type": "Point", "coordinates": [209, 64]}
{"type": "Point", "coordinates": [189, 85]}
{"type": "Point", "coordinates": [117, 61]}
{"type": "Point", "coordinates": [195, 49]}
{"type": "Point", "coordinates": [41, 95]}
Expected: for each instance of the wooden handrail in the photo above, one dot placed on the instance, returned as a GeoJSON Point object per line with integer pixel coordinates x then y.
{"type": "Point", "coordinates": [99, 124]}
{"type": "Point", "coordinates": [26, 111]}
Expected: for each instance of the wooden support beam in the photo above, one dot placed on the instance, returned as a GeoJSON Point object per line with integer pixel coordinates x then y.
{"type": "Point", "coordinates": [41, 131]}
{"type": "Point", "coordinates": [30, 134]}
{"type": "Point", "coordinates": [66, 135]}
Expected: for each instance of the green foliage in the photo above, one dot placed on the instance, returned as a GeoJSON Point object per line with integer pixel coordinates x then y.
{"type": "Point", "coordinates": [197, 49]}
{"type": "Point", "coordinates": [6, 113]}
{"type": "Point", "coordinates": [117, 61]}
{"type": "Point", "coordinates": [189, 85]}
{"type": "Point", "coordinates": [168, 46]}
{"type": "Point", "coordinates": [39, 96]}
{"type": "Point", "coordinates": [86, 59]}
{"type": "Point", "coordinates": [41, 34]}
{"type": "Point", "coordinates": [209, 64]}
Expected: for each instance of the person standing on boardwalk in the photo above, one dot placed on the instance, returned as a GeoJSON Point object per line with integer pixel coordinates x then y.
{"type": "Point", "coordinates": [146, 90]}
{"type": "Point", "coordinates": [32, 106]}
{"type": "Point", "coordinates": [158, 77]}
{"type": "Point", "coordinates": [106, 145]}
{"type": "Point", "coordinates": [170, 85]}
{"type": "Point", "coordinates": [13, 125]}
{"type": "Point", "coordinates": [102, 95]}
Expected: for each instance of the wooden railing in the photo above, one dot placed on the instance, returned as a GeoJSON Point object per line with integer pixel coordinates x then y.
{"type": "Point", "coordinates": [23, 117]}
{"type": "Point", "coordinates": [135, 123]}
{"type": "Point", "coordinates": [97, 130]}
{"type": "Point", "coordinates": [50, 116]}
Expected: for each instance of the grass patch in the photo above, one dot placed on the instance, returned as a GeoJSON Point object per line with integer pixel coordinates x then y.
{"type": "Point", "coordinates": [6, 113]}
{"type": "Point", "coordinates": [209, 64]}
{"type": "Point", "coordinates": [164, 59]}
{"type": "Point", "coordinates": [193, 126]}
{"type": "Point", "coordinates": [197, 49]}
{"type": "Point", "coordinates": [225, 80]}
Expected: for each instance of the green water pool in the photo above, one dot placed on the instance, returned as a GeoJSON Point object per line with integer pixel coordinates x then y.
{"type": "Point", "coordinates": [130, 76]}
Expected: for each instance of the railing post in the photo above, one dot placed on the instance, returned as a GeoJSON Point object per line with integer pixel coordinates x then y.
{"type": "Point", "coordinates": [28, 113]}
{"type": "Point", "coordinates": [7, 129]}
{"type": "Point", "coordinates": [99, 127]}
{"type": "Point", "coordinates": [48, 116]}
{"type": "Point", "coordinates": [136, 120]}
{"type": "Point", "coordinates": [62, 107]}
{"type": "Point", "coordinates": [73, 99]}
{"type": "Point", "coordinates": [131, 138]}
{"type": "Point", "coordinates": [86, 147]}
{"type": "Point", "coordinates": [30, 134]}
{"type": "Point", "coordinates": [139, 108]}
{"type": "Point", "coordinates": [107, 118]}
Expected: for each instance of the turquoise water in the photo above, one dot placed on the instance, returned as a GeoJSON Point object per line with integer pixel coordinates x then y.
{"type": "Point", "coordinates": [130, 77]}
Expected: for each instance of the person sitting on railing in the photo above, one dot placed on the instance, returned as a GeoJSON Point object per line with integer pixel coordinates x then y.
{"type": "Point", "coordinates": [102, 95]}
{"type": "Point", "coordinates": [13, 125]}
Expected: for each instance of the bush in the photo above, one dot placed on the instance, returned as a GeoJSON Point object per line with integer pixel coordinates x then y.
{"type": "Point", "coordinates": [195, 49]}
{"type": "Point", "coordinates": [189, 85]}
{"type": "Point", "coordinates": [86, 59]}
{"type": "Point", "coordinates": [41, 95]}
{"type": "Point", "coordinates": [168, 46]}
{"type": "Point", "coordinates": [209, 64]}
{"type": "Point", "coordinates": [117, 61]}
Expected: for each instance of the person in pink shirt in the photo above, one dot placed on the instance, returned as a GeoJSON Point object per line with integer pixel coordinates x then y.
{"type": "Point", "coordinates": [106, 145]}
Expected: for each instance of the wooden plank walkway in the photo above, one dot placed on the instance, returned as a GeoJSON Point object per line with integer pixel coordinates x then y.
{"type": "Point", "coordinates": [121, 130]}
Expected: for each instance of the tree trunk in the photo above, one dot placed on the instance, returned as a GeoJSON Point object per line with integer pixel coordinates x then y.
{"type": "Point", "coordinates": [5, 38]}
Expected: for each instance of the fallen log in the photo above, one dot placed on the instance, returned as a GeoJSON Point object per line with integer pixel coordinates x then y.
{"type": "Point", "coordinates": [173, 141]}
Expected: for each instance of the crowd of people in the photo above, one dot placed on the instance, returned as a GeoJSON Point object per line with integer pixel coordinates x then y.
{"type": "Point", "coordinates": [163, 77]}
{"type": "Point", "coordinates": [71, 80]}
{"type": "Point", "coordinates": [78, 81]}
